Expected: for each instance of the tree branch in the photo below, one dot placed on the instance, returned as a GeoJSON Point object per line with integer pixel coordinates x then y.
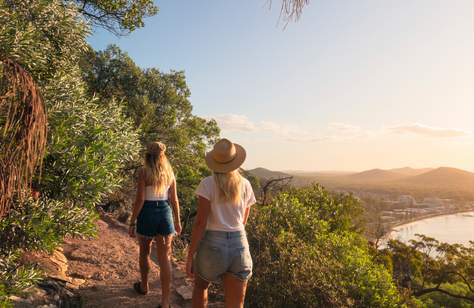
{"type": "Point", "coordinates": [437, 289]}
{"type": "Point", "coordinates": [268, 184]}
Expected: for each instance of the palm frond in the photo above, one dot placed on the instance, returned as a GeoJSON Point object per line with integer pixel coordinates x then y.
{"type": "Point", "coordinates": [23, 128]}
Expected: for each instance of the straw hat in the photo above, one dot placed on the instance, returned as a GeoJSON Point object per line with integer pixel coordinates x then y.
{"type": "Point", "coordinates": [225, 156]}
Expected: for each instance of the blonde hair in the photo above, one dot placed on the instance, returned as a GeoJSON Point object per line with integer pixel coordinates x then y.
{"type": "Point", "coordinates": [229, 186]}
{"type": "Point", "coordinates": [158, 170]}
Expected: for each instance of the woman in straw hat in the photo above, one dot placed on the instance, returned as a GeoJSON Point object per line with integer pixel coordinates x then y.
{"type": "Point", "coordinates": [219, 247]}
{"type": "Point", "coordinates": [153, 218]}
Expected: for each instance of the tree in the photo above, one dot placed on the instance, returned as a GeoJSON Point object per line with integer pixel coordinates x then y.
{"type": "Point", "coordinates": [307, 252]}
{"type": "Point", "coordinates": [88, 143]}
{"type": "Point", "coordinates": [426, 266]}
{"type": "Point", "coordinates": [123, 16]}
{"type": "Point", "coordinates": [117, 16]}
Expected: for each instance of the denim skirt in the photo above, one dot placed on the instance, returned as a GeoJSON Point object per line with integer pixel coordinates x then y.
{"type": "Point", "coordinates": [221, 252]}
{"type": "Point", "coordinates": [155, 218]}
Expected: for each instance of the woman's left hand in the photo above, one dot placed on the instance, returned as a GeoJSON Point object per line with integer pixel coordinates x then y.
{"type": "Point", "coordinates": [178, 228]}
{"type": "Point", "coordinates": [189, 267]}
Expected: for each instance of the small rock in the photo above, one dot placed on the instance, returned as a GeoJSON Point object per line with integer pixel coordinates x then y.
{"type": "Point", "coordinates": [75, 283]}
{"type": "Point", "coordinates": [185, 291]}
{"type": "Point", "coordinates": [59, 256]}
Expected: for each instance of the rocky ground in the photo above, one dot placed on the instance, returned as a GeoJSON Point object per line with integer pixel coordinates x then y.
{"type": "Point", "coordinates": [100, 272]}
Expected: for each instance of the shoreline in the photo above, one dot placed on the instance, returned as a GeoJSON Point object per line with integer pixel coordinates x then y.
{"type": "Point", "coordinates": [391, 229]}
{"type": "Point", "coordinates": [423, 217]}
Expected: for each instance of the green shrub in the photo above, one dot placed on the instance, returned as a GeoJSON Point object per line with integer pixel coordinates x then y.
{"type": "Point", "coordinates": [307, 254]}
{"type": "Point", "coordinates": [38, 225]}
{"type": "Point", "coordinates": [89, 143]}
{"type": "Point", "coordinates": [4, 302]}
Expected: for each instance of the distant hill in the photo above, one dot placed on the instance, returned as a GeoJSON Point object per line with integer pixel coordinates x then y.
{"type": "Point", "coordinates": [376, 175]}
{"type": "Point", "coordinates": [444, 177]}
{"type": "Point", "coordinates": [319, 173]}
{"type": "Point", "coordinates": [267, 174]}
{"type": "Point", "coordinates": [410, 171]}
{"type": "Point", "coordinates": [443, 182]}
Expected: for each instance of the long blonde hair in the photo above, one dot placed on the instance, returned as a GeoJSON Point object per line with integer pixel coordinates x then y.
{"type": "Point", "coordinates": [229, 186]}
{"type": "Point", "coordinates": [158, 170]}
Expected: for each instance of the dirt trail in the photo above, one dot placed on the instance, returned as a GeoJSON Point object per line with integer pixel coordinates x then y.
{"type": "Point", "coordinates": [109, 264]}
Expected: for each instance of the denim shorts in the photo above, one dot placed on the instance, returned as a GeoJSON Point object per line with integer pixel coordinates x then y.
{"type": "Point", "coordinates": [222, 252]}
{"type": "Point", "coordinates": [155, 218]}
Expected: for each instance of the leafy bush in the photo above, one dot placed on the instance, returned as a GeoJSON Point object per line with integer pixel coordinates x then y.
{"type": "Point", "coordinates": [88, 148]}
{"type": "Point", "coordinates": [4, 302]}
{"type": "Point", "coordinates": [36, 225]}
{"type": "Point", "coordinates": [438, 274]}
{"type": "Point", "coordinates": [89, 142]}
{"type": "Point", "coordinates": [306, 254]}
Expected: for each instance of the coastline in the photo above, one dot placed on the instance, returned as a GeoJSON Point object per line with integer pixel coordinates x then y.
{"type": "Point", "coordinates": [391, 226]}
{"type": "Point", "coordinates": [422, 217]}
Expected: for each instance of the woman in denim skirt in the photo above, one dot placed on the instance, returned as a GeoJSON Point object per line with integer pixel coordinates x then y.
{"type": "Point", "coordinates": [154, 219]}
{"type": "Point", "coordinates": [219, 248]}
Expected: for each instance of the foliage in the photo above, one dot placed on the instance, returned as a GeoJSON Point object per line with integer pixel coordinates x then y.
{"type": "Point", "coordinates": [42, 224]}
{"type": "Point", "coordinates": [4, 302]}
{"type": "Point", "coordinates": [89, 143]}
{"type": "Point", "coordinates": [36, 225]}
{"type": "Point", "coordinates": [340, 211]}
{"type": "Point", "coordinates": [23, 126]}
{"type": "Point", "coordinates": [88, 147]}
{"type": "Point", "coordinates": [307, 254]}
{"type": "Point", "coordinates": [438, 300]}
{"type": "Point", "coordinates": [158, 103]}
{"type": "Point", "coordinates": [29, 36]}
{"type": "Point", "coordinates": [291, 10]}
{"type": "Point", "coordinates": [42, 36]}
{"type": "Point", "coordinates": [426, 266]}
{"type": "Point", "coordinates": [117, 16]}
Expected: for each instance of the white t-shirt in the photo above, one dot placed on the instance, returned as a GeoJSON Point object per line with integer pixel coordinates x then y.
{"type": "Point", "coordinates": [225, 216]}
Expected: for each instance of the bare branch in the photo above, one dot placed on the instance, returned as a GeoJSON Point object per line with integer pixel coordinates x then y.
{"type": "Point", "coordinates": [437, 289]}
{"type": "Point", "coordinates": [272, 182]}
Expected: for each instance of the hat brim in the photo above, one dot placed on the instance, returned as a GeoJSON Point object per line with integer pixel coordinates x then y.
{"type": "Point", "coordinates": [239, 159]}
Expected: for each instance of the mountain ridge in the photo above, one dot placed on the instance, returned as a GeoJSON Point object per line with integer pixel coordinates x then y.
{"type": "Point", "coordinates": [445, 181]}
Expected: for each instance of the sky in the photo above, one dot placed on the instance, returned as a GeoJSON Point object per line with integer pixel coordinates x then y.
{"type": "Point", "coordinates": [352, 85]}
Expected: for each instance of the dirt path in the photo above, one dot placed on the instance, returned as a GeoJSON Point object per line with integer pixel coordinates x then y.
{"type": "Point", "coordinates": [109, 264]}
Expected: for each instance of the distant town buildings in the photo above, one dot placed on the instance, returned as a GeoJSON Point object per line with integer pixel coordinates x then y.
{"type": "Point", "coordinates": [406, 208]}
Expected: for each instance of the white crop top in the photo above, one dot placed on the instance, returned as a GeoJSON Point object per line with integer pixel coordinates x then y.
{"type": "Point", "coordinates": [151, 195]}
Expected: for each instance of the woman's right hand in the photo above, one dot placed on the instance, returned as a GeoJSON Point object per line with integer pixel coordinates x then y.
{"type": "Point", "coordinates": [131, 231]}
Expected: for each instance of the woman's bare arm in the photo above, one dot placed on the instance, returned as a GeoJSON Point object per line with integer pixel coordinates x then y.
{"type": "Point", "coordinates": [173, 196]}
{"type": "Point", "coordinates": [246, 215]}
{"type": "Point", "coordinates": [139, 198]}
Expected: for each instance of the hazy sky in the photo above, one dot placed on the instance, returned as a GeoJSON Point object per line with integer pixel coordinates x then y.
{"type": "Point", "coordinates": [352, 85]}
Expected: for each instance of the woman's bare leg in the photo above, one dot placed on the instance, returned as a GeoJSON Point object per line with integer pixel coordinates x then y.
{"type": "Point", "coordinates": [145, 249]}
{"type": "Point", "coordinates": [234, 291]}
{"type": "Point", "coordinates": [163, 244]}
{"type": "Point", "coordinates": [200, 292]}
